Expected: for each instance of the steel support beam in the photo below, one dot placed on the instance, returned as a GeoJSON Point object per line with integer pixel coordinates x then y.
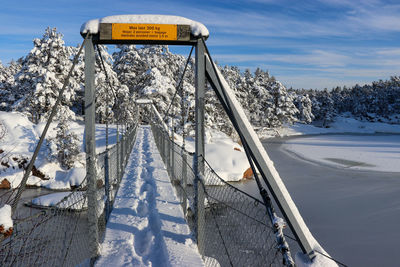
{"type": "Point", "coordinates": [90, 145]}
{"type": "Point", "coordinates": [261, 159]}
{"type": "Point", "coordinates": [200, 84]}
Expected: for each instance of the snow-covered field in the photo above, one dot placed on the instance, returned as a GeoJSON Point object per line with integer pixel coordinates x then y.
{"type": "Point", "coordinates": [224, 155]}
{"type": "Point", "coordinates": [19, 142]}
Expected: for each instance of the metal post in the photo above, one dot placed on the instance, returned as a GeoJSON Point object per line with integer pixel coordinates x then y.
{"type": "Point", "coordinates": [122, 152]}
{"type": "Point", "coordinates": [118, 149]}
{"type": "Point", "coordinates": [168, 153]}
{"type": "Point", "coordinates": [165, 149]}
{"type": "Point", "coordinates": [172, 155]}
{"type": "Point", "coordinates": [90, 146]}
{"type": "Point", "coordinates": [184, 181]}
{"type": "Point", "coordinates": [138, 114]}
{"type": "Point", "coordinates": [162, 146]}
{"type": "Point", "coordinates": [201, 221]}
{"type": "Point", "coordinates": [107, 184]}
{"type": "Point", "coordinates": [200, 82]}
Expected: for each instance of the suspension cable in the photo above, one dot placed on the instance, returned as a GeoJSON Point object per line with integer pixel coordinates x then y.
{"type": "Point", "coordinates": [108, 94]}
{"type": "Point", "coordinates": [46, 128]}
{"type": "Point", "coordinates": [183, 117]}
{"type": "Point", "coordinates": [179, 85]}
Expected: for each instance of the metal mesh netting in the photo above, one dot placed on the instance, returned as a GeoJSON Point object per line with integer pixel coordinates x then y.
{"type": "Point", "coordinates": [52, 237]}
{"type": "Point", "coordinates": [59, 236]}
{"type": "Point", "coordinates": [233, 227]}
{"type": "Point", "coordinates": [110, 167]}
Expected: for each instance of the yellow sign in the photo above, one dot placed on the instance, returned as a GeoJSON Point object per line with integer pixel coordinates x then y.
{"type": "Point", "coordinates": [127, 31]}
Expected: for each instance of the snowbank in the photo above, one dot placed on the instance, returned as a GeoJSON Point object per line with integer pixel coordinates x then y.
{"type": "Point", "coordinates": [77, 201]}
{"type": "Point", "coordinates": [5, 217]}
{"type": "Point", "coordinates": [197, 28]}
{"type": "Point", "coordinates": [225, 156]}
{"type": "Point", "coordinates": [18, 145]}
{"type": "Point", "coordinates": [354, 148]}
{"type": "Point", "coordinates": [342, 124]}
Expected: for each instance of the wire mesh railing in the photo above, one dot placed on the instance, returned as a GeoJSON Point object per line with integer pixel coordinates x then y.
{"type": "Point", "coordinates": [232, 227]}
{"type": "Point", "coordinates": [59, 235]}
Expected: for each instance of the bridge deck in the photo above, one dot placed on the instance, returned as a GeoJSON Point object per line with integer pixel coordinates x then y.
{"type": "Point", "coordinates": [147, 226]}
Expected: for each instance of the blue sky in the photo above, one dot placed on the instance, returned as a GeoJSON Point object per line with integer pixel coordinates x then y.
{"type": "Point", "coordinates": [304, 44]}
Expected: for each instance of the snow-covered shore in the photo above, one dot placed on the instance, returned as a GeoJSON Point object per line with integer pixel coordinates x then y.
{"type": "Point", "coordinates": [225, 156]}
{"type": "Point", "coordinates": [18, 145]}
{"type": "Point", "coordinates": [347, 143]}
{"type": "Point", "coordinates": [342, 124]}
{"type": "Point", "coordinates": [358, 152]}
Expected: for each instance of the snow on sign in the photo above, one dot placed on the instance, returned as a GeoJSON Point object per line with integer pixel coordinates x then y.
{"type": "Point", "coordinates": [152, 32]}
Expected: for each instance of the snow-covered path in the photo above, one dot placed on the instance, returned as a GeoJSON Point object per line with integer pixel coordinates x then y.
{"type": "Point", "coordinates": [147, 226]}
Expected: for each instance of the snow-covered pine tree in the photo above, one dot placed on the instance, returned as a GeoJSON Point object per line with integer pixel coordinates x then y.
{"type": "Point", "coordinates": [338, 99]}
{"type": "Point", "coordinates": [259, 101]}
{"type": "Point", "coordinates": [163, 76]}
{"type": "Point", "coordinates": [187, 109]}
{"type": "Point", "coordinates": [235, 81]}
{"type": "Point", "coordinates": [283, 109]}
{"type": "Point", "coordinates": [4, 91]}
{"type": "Point", "coordinates": [105, 100]}
{"type": "Point", "coordinates": [154, 72]}
{"type": "Point", "coordinates": [359, 101]}
{"type": "Point", "coordinates": [7, 95]}
{"type": "Point", "coordinates": [394, 84]}
{"type": "Point", "coordinates": [42, 75]}
{"type": "Point", "coordinates": [112, 104]}
{"type": "Point", "coordinates": [327, 112]}
{"type": "Point", "coordinates": [129, 67]}
{"type": "Point", "coordinates": [304, 106]}
{"type": "Point", "coordinates": [215, 115]}
{"type": "Point", "coordinates": [245, 91]}
{"type": "Point", "coordinates": [64, 147]}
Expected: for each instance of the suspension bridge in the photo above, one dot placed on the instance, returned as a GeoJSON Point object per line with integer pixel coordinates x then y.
{"type": "Point", "coordinates": [228, 226]}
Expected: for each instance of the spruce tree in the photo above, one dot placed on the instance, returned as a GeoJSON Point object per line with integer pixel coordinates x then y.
{"type": "Point", "coordinates": [64, 147]}
{"type": "Point", "coordinates": [283, 109]}
{"type": "Point", "coordinates": [42, 75]}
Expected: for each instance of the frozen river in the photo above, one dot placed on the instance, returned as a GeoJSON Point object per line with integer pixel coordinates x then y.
{"type": "Point", "coordinates": [354, 214]}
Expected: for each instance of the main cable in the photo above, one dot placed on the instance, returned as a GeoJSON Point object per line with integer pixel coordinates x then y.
{"type": "Point", "coordinates": [179, 84]}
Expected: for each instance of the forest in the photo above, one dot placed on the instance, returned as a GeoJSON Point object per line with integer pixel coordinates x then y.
{"type": "Point", "coordinates": [31, 84]}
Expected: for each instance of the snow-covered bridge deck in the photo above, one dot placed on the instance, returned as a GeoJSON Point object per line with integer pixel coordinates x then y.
{"type": "Point", "coordinates": [147, 225]}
